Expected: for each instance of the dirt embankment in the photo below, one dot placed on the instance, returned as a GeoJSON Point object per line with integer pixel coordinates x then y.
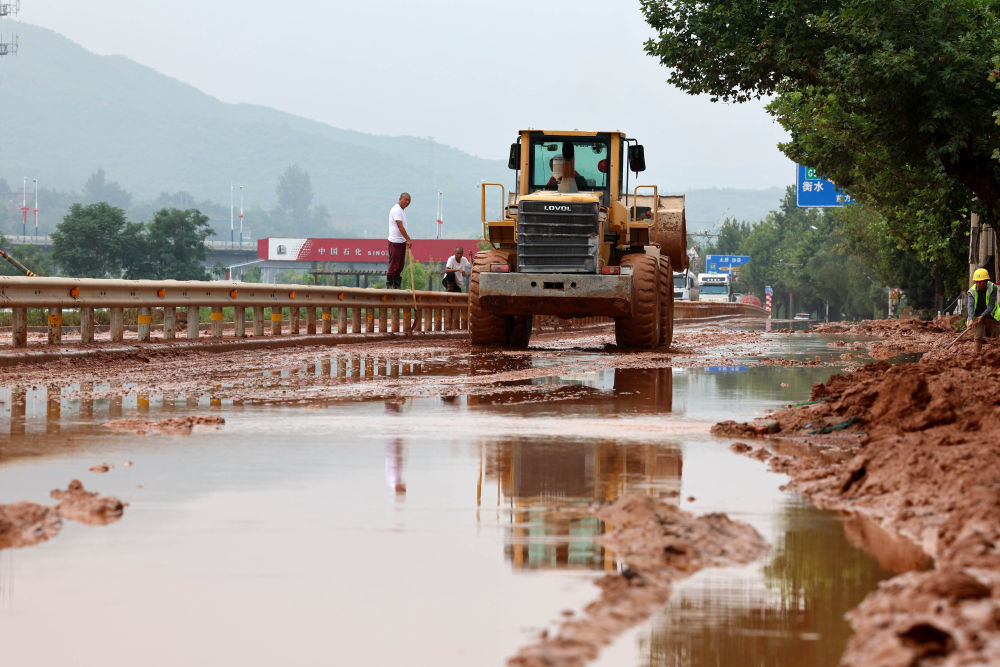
{"type": "Point", "coordinates": [660, 543]}
{"type": "Point", "coordinates": [913, 447]}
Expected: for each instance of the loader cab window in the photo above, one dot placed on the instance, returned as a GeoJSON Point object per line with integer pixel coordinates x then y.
{"type": "Point", "coordinates": [591, 162]}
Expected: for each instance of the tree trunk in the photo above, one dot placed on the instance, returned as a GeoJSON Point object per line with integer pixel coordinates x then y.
{"type": "Point", "coordinates": [938, 289]}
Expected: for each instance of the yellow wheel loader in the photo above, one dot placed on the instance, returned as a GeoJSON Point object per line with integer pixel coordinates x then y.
{"type": "Point", "coordinates": [572, 240]}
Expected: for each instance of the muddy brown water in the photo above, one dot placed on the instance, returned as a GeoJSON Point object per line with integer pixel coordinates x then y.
{"type": "Point", "coordinates": [411, 530]}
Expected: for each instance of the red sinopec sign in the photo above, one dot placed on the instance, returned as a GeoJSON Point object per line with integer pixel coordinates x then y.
{"type": "Point", "coordinates": [357, 250]}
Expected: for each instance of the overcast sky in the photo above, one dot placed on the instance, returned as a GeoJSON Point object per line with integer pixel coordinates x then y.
{"type": "Point", "coordinates": [467, 74]}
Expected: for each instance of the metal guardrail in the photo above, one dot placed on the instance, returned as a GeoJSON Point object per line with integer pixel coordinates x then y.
{"type": "Point", "coordinates": [393, 310]}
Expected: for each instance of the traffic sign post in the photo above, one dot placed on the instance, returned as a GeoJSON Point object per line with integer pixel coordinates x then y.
{"type": "Point", "coordinates": [813, 191]}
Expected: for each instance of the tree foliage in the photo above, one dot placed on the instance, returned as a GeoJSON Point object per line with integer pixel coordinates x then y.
{"type": "Point", "coordinates": [295, 194]}
{"type": "Point", "coordinates": [99, 189]}
{"type": "Point", "coordinates": [891, 99]}
{"type": "Point", "coordinates": [96, 241]}
{"type": "Point", "coordinates": [175, 242]}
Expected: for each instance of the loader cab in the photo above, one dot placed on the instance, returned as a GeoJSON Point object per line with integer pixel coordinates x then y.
{"type": "Point", "coordinates": [591, 162]}
{"type": "Point", "coordinates": [594, 162]}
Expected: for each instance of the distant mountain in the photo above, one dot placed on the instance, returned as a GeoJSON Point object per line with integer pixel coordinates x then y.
{"type": "Point", "coordinates": [68, 112]}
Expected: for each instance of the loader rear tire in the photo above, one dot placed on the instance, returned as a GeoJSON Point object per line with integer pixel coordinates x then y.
{"type": "Point", "coordinates": [485, 328]}
{"type": "Point", "coordinates": [641, 330]}
{"type": "Point", "coordinates": [666, 302]}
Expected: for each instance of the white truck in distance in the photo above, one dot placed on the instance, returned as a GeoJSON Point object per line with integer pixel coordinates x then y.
{"type": "Point", "coordinates": [683, 284]}
{"type": "Point", "coordinates": [715, 287]}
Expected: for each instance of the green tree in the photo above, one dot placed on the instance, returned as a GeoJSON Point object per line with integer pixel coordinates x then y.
{"type": "Point", "coordinates": [295, 193]}
{"type": "Point", "coordinates": [175, 242]}
{"type": "Point", "coordinates": [35, 258]}
{"type": "Point", "coordinates": [253, 274]}
{"type": "Point", "coordinates": [99, 189]}
{"type": "Point", "coordinates": [96, 241]}
{"type": "Point", "coordinates": [890, 99]}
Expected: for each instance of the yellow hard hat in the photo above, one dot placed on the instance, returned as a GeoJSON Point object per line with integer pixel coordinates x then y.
{"type": "Point", "coordinates": [981, 274]}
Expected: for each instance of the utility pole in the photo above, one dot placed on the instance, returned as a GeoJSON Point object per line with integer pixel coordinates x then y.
{"type": "Point", "coordinates": [36, 207]}
{"type": "Point", "coordinates": [440, 215]}
{"type": "Point", "coordinates": [24, 209]}
{"type": "Point", "coordinates": [232, 240]}
{"type": "Point", "coordinates": [8, 45]}
{"type": "Point", "coordinates": [241, 216]}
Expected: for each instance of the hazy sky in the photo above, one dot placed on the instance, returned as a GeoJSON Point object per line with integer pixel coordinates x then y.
{"type": "Point", "coordinates": [468, 74]}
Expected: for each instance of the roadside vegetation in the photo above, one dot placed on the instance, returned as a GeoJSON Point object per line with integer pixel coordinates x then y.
{"type": "Point", "coordinates": [894, 101]}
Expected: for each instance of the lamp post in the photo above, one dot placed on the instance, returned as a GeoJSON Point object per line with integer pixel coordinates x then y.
{"type": "Point", "coordinates": [241, 216]}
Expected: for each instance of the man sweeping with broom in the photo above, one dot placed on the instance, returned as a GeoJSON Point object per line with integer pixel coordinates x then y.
{"type": "Point", "coordinates": [983, 309]}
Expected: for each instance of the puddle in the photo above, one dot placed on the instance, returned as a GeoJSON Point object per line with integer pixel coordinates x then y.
{"type": "Point", "coordinates": [448, 530]}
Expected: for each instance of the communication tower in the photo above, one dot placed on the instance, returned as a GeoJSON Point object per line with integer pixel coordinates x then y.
{"type": "Point", "coordinates": [9, 43]}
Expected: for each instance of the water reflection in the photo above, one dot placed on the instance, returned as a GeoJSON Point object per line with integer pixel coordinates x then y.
{"type": "Point", "coordinates": [812, 579]}
{"type": "Point", "coordinates": [606, 392]}
{"type": "Point", "coordinates": [548, 485]}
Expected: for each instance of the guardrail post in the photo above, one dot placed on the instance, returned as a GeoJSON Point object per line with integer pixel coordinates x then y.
{"type": "Point", "coordinates": [382, 320]}
{"type": "Point", "coordinates": [239, 321]}
{"type": "Point", "coordinates": [275, 320]}
{"type": "Point", "coordinates": [407, 314]}
{"type": "Point", "coordinates": [293, 319]}
{"type": "Point", "coordinates": [169, 322]}
{"type": "Point", "coordinates": [19, 322]}
{"type": "Point", "coordinates": [342, 320]}
{"type": "Point", "coordinates": [428, 319]}
{"type": "Point", "coordinates": [117, 316]}
{"type": "Point", "coordinates": [439, 319]}
{"type": "Point", "coordinates": [310, 320]}
{"type": "Point", "coordinates": [355, 320]}
{"type": "Point", "coordinates": [143, 321]}
{"type": "Point", "coordinates": [395, 320]}
{"type": "Point", "coordinates": [258, 320]}
{"type": "Point", "coordinates": [86, 325]}
{"type": "Point", "coordinates": [327, 319]}
{"type": "Point", "coordinates": [216, 321]}
{"type": "Point", "coordinates": [194, 321]}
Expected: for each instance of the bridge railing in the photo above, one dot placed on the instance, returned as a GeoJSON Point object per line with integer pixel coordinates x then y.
{"type": "Point", "coordinates": [286, 307]}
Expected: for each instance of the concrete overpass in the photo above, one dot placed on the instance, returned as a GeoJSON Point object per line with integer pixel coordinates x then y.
{"type": "Point", "coordinates": [222, 252]}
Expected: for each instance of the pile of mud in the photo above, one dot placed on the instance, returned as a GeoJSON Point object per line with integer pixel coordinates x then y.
{"type": "Point", "coordinates": [26, 524]}
{"type": "Point", "coordinates": [913, 446]}
{"type": "Point", "coordinates": [660, 543]}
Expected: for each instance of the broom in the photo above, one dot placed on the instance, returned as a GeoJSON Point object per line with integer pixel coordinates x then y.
{"type": "Point", "coordinates": [413, 292]}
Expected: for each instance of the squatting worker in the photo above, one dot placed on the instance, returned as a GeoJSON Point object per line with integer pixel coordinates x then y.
{"type": "Point", "coordinates": [456, 270]}
{"type": "Point", "coordinates": [984, 309]}
{"type": "Point", "coordinates": [399, 241]}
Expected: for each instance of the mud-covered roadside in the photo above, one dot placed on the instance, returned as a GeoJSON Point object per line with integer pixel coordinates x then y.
{"type": "Point", "coordinates": [310, 374]}
{"type": "Point", "coordinates": [914, 447]}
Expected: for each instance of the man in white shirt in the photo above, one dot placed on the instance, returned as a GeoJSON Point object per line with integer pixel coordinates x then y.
{"type": "Point", "coordinates": [455, 271]}
{"type": "Point", "coordinates": [399, 241]}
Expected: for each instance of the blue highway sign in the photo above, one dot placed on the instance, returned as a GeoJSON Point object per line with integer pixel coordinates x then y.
{"type": "Point", "coordinates": [812, 191]}
{"type": "Point", "coordinates": [724, 263]}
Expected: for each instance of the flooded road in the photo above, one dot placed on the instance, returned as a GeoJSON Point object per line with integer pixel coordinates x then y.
{"type": "Point", "coordinates": [451, 525]}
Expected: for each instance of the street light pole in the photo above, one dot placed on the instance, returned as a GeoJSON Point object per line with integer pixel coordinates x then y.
{"type": "Point", "coordinates": [232, 241]}
{"type": "Point", "coordinates": [241, 216]}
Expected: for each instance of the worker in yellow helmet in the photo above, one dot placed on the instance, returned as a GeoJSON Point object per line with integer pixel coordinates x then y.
{"type": "Point", "coordinates": [984, 308]}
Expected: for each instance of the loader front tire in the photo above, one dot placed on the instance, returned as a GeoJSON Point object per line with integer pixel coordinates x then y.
{"type": "Point", "coordinates": [485, 328]}
{"type": "Point", "coordinates": [641, 330]}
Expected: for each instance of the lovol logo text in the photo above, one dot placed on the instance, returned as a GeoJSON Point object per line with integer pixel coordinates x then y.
{"type": "Point", "coordinates": [554, 207]}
